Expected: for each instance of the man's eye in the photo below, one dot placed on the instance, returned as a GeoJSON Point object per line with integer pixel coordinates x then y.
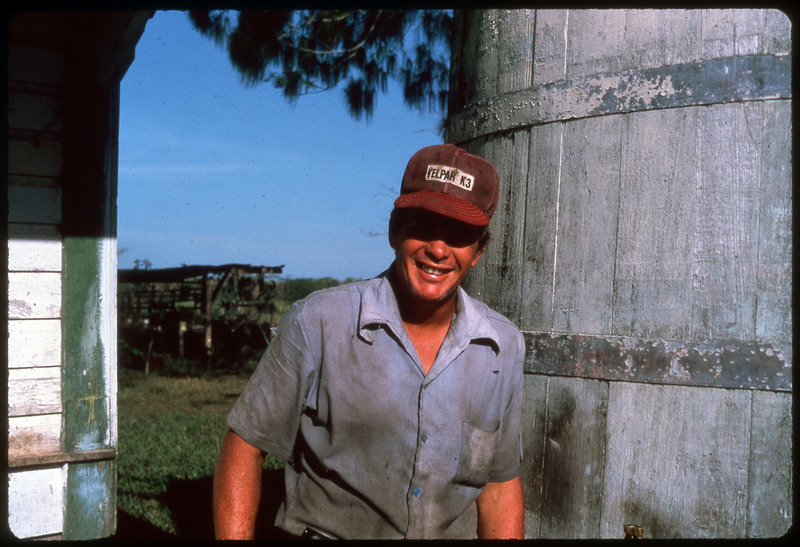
{"type": "Point", "coordinates": [461, 239]}
{"type": "Point", "coordinates": [453, 237]}
{"type": "Point", "coordinates": [418, 231]}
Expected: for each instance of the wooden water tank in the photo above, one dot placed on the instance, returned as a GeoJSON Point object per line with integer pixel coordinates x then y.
{"type": "Point", "coordinates": [643, 244]}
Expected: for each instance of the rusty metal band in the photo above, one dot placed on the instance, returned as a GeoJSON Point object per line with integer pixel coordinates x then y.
{"type": "Point", "coordinates": [734, 365]}
{"type": "Point", "coordinates": [714, 81]}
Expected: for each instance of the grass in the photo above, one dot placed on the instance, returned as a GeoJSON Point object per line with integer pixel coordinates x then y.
{"type": "Point", "coordinates": [170, 429]}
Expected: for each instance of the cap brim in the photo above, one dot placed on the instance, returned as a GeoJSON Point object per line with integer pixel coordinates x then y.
{"type": "Point", "coordinates": [446, 205]}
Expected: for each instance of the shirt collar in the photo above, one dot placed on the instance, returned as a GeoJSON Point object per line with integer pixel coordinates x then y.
{"type": "Point", "coordinates": [379, 307]}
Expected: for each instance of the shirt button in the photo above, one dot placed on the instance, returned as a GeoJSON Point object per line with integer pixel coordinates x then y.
{"type": "Point", "coordinates": [423, 438]}
{"type": "Point", "coordinates": [416, 491]}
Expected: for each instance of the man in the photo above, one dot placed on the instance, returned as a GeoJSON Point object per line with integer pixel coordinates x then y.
{"type": "Point", "coordinates": [395, 402]}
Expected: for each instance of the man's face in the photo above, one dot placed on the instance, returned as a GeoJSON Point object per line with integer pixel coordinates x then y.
{"type": "Point", "coordinates": [433, 255]}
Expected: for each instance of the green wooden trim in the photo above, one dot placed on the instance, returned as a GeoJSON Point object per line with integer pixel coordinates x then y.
{"type": "Point", "coordinates": [84, 391]}
{"type": "Point", "coordinates": [90, 510]}
{"type": "Point", "coordinates": [88, 295]}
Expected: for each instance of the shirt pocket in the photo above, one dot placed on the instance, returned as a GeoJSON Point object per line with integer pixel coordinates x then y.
{"type": "Point", "coordinates": [476, 454]}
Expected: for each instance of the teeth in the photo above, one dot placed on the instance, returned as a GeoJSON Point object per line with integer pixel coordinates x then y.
{"type": "Point", "coordinates": [432, 271]}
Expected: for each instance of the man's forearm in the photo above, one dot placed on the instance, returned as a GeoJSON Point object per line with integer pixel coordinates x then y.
{"type": "Point", "coordinates": [501, 511]}
{"type": "Point", "coordinates": [237, 488]}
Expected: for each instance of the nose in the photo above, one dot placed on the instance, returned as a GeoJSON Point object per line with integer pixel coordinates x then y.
{"type": "Point", "coordinates": [437, 249]}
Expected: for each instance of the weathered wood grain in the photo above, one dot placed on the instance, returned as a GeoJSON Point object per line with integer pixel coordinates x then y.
{"type": "Point", "coordinates": [34, 391]}
{"type": "Point", "coordinates": [35, 501]}
{"type": "Point", "coordinates": [589, 197]}
{"type": "Point", "coordinates": [777, 36]}
{"type": "Point", "coordinates": [596, 42]}
{"type": "Point", "coordinates": [541, 228]}
{"type": "Point", "coordinates": [90, 506]}
{"type": "Point", "coordinates": [34, 295]}
{"type": "Point", "coordinates": [534, 420]}
{"type": "Point", "coordinates": [502, 261]}
{"type": "Point", "coordinates": [35, 255]}
{"type": "Point", "coordinates": [550, 46]}
{"type": "Point", "coordinates": [770, 508]}
{"type": "Point", "coordinates": [653, 271]}
{"type": "Point", "coordinates": [572, 472]}
{"type": "Point", "coordinates": [33, 459]}
{"type": "Point", "coordinates": [38, 434]}
{"type": "Point", "coordinates": [651, 37]}
{"type": "Point", "coordinates": [657, 208]}
{"type": "Point", "coordinates": [89, 351]}
{"type": "Point", "coordinates": [676, 461]}
{"type": "Point", "coordinates": [729, 32]}
{"type": "Point", "coordinates": [725, 253]}
{"type": "Point", "coordinates": [516, 51]}
{"type": "Point", "coordinates": [486, 58]}
{"type": "Point", "coordinates": [34, 343]}
{"type": "Point", "coordinates": [773, 321]}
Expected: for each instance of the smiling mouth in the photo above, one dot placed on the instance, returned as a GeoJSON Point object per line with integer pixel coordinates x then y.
{"type": "Point", "coordinates": [431, 270]}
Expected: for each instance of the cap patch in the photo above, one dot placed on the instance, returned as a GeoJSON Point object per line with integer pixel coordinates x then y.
{"type": "Point", "coordinates": [450, 175]}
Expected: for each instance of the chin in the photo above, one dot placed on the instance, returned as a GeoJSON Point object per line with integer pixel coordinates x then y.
{"type": "Point", "coordinates": [434, 295]}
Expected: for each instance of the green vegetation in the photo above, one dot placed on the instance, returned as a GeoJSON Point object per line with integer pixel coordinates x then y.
{"type": "Point", "coordinates": [243, 313]}
{"type": "Point", "coordinates": [291, 290]}
{"type": "Point", "coordinates": [170, 429]}
{"type": "Point", "coordinates": [308, 51]}
{"type": "Point", "coordinates": [172, 420]}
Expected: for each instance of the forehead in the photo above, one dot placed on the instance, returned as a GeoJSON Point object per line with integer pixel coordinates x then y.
{"type": "Point", "coordinates": [416, 218]}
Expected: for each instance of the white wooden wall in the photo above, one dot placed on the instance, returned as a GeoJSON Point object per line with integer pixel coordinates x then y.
{"type": "Point", "coordinates": [35, 495]}
{"type": "Point", "coordinates": [48, 493]}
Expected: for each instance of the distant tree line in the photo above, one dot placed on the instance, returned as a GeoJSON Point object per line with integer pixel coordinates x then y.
{"type": "Point", "coordinates": [291, 290]}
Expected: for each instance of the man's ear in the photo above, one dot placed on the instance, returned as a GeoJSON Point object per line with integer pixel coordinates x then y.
{"type": "Point", "coordinates": [478, 256]}
{"type": "Point", "coordinates": [393, 222]}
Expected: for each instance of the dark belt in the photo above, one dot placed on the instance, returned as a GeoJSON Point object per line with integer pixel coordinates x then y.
{"type": "Point", "coordinates": [310, 533]}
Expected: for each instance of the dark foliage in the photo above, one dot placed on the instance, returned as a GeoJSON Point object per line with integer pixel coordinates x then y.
{"type": "Point", "coordinates": [304, 51]}
{"type": "Point", "coordinates": [294, 289]}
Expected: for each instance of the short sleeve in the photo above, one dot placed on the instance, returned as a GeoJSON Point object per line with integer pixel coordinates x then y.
{"type": "Point", "coordinates": [267, 413]}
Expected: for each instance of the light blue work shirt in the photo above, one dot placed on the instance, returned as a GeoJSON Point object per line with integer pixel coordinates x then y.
{"type": "Point", "coordinates": [374, 447]}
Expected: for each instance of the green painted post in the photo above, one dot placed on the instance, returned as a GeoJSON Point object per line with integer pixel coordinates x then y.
{"type": "Point", "coordinates": [91, 110]}
{"type": "Point", "coordinates": [90, 509]}
{"type": "Point", "coordinates": [84, 382]}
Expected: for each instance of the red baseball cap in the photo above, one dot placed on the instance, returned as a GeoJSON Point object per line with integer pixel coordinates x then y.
{"type": "Point", "coordinates": [450, 181]}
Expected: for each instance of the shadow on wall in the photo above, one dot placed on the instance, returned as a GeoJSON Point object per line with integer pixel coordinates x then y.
{"type": "Point", "coordinates": [189, 502]}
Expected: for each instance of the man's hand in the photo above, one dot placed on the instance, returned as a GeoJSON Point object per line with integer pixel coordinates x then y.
{"type": "Point", "coordinates": [501, 510]}
{"type": "Point", "coordinates": [237, 488]}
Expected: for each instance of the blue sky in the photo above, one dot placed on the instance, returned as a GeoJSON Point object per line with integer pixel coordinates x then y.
{"type": "Point", "coordinates": [212, 171]}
